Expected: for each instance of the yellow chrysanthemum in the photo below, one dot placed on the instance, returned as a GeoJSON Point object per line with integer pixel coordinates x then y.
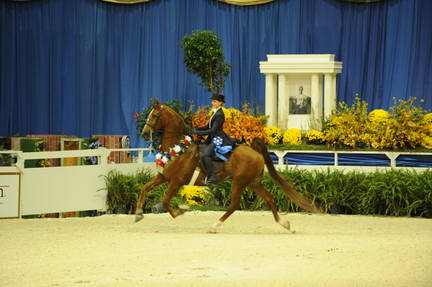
{"type": "Point", "coordinates": [212, 110]}
{"type": "Point", "coordinates": [272, 134]}
{"type": "Point", "coordinates": [427, 142]}
{"type": "Point", "coordinates": [378, 115]}
{"type": "Point", "coordinates": [193, 195]}
{"type": "Point", "coordinates": [229, 113]}
{"type": "Point", "coordinates": [232, 112]}
{"type": "Point", "coordinates": [292, 136]}
{"type": "Point", "coordinates": [314, 135]}
{"type": "Point", "coordinates": [428, 117]}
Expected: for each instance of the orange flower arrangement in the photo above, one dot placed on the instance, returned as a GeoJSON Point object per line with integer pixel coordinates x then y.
{"type": "Point", "coordinates": [239, 125]}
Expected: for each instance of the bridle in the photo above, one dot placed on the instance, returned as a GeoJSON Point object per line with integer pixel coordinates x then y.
{"type": "Point", "coordinates": [153, 126]}
{"type": "Point", "coordinates": [156, 118]}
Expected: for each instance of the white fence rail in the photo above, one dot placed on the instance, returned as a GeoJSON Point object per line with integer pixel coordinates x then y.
{"type": "Point", "coordinates": [65, 188]}
{"type": "Point", "coordinates": [391, 156]}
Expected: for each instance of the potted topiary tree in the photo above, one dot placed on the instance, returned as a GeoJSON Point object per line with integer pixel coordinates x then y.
{"type": "Point", "coordinates": [203, 56]}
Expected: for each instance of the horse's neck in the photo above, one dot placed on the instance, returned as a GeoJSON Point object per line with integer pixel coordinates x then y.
{"type": "Point", "coordinates": [170, 140]}
{"type": "Point", "coordinates": [174, 132]}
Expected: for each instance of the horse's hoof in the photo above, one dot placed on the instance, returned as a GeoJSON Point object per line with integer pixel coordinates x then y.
{"type": "Point", "coordinates": [212, 230]}
{"type": "Point", "coordinates": [183, 207]}
{"type": "Point", "coordinates": [138, 217]}
{"type": "Point", "coordinates": [285, 225]}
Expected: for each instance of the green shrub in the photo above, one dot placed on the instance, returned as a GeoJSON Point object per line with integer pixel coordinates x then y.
{"type": "Point", "coordinates": [394, 192]}
{"type": "Point", "coordinates": [122, 192]}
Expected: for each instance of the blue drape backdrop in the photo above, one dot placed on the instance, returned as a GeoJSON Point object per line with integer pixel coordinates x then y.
{"type": "Point", "coordinates": [83, 67]}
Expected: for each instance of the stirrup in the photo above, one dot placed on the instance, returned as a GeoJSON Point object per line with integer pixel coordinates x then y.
{"type": "Point", "coordinates": [210, 180]}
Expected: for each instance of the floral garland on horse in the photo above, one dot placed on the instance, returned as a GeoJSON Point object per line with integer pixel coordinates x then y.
{"type": "Point", "coordinates": [162, 158]}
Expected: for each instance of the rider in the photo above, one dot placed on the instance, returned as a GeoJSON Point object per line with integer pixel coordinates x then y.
{"type": "Point", "coordinates": [214, 130]}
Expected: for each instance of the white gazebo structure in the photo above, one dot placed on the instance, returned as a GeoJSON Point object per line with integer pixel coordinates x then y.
{"type": "Point", "coordinates": [300, 90]}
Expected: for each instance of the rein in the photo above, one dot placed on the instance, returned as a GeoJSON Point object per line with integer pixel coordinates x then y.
{"type": "Point", "coordinates": [161, 132]}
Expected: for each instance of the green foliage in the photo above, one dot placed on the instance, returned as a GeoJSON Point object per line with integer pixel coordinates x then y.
{"type": "Point", "coordinates": [221, 193]}
{"type": "Point", "coordinates": [395, 193]}
{"type": "Point", "coordinates": [90, 143]}
{"type": "Point", "coordinates": [203, 56]}
{"type": "Point", "coordinates": [123, 191]}
{"type": "Point", "coordinates": [6, 159]}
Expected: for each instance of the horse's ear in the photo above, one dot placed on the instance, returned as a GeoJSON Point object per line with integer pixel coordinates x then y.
{"type": "Point", "coordinates": [155, 102]}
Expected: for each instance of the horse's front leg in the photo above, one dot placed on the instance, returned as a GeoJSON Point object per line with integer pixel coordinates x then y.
{"type": "Point", "coordinates": [172, 190]}
{"type": "Point", "coordinates": [159, 179]}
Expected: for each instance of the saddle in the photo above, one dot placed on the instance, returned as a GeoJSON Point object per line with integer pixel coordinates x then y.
{"type": "Point", "coordinates": [216, 162]}
{"type": "Point", "coordinates": [214, 157]}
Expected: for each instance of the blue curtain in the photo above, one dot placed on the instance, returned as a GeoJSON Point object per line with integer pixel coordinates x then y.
{"type": "Point", "coordinates": [83, 67]}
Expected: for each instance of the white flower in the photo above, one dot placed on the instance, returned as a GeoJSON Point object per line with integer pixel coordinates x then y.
{"type": "Point", "coordinates": [164, 159]}
{"type": "Point", "coordinates": [188, 138]}
{"type": "Point", "coordinates": [177, 148]}
{"type": "Point", "coordinates": [158, 156]}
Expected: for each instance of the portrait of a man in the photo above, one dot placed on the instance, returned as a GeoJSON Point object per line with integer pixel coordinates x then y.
{"type": "Point", "coordinates": [300, 104]}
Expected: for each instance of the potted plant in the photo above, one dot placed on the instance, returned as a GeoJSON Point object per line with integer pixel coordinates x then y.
{"type": "Point", "coordinates": [203, 56]}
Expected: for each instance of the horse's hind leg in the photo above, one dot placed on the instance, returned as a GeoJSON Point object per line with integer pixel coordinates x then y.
{"type": "Point", "coordinates": [159, 179]}
{"type": "Point", "coordinates": [237, 190]}
{"type": "Point", "coordinates": [268, 197]}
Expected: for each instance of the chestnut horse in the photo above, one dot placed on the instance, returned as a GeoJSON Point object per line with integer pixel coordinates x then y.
{"type": "Point", "coordinates": [245, 166]}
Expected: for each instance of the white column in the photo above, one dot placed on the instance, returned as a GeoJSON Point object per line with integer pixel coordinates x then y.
{"type": "Point", "coordinates": [283, 108]}
{"type": "Point", "coordinates": [316, 100]}
{"type": "Point", "coordinates": [334, 90]}
{"type": "Point", "coordinates": [271, 99]}
{"type": "Point", "coordinates": [329, 94]}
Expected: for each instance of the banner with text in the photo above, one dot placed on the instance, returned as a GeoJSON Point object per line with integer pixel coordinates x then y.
{"type": "Point", "coordinates": [9, 195]}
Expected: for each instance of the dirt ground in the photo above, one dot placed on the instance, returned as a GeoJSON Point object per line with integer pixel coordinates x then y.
{"type": "Point", "coordinates": [249, 250]}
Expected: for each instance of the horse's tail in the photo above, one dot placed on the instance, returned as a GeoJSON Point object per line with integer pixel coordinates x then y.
{"type": "Point", "coordinates": [259, 145]}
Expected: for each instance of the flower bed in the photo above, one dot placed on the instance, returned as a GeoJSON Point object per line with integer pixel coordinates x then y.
{"type": "Point", "coordinates": [404, 127]}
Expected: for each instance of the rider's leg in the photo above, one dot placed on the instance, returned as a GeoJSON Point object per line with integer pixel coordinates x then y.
{"type": "Point", "coordinates": [206, 159]}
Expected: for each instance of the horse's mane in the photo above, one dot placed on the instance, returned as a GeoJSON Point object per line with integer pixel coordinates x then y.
{"type": "Point", "coordinates": [179, 118]}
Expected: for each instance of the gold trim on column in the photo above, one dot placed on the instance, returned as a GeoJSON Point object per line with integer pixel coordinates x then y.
{"type": "Point", "coordinates": [246, 2]}
{"type": "Point", "coordinates": [126, 1]}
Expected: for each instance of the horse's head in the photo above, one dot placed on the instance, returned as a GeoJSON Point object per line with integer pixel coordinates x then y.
{"type": "Point", "coordinates": [154, 121]}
